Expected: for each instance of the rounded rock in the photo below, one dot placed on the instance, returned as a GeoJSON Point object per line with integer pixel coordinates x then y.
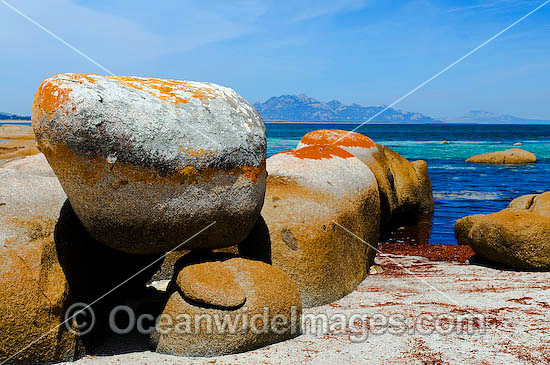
{"type": "Point", "coordinates": [512, 156]}
{"type": "Point", "coordinates": [405, 188]}
{"type": "Point", "coordinates": [271, 314]}
{"type": "Point", "coordinates": [517, 237]}
{"type": "Point", "coordinates": [210, 283]}
{"type": "Point", "coordinates": [322, 212]}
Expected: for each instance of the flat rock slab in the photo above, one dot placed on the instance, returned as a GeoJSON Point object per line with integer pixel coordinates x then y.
{"type": "Point", "coordinates": [512, 156]}
{"type": "Point", "coordinates": [515, 305]}
{"type": "Point", "coordinates": [14, 131]}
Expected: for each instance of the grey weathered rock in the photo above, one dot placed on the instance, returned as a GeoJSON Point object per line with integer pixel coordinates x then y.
{"type": "Point", "coordinates": [512, 156]}
{"type": "Point", "coordinates": [147, 163]}
{"type": "Point", "coordinates": [518, 236]}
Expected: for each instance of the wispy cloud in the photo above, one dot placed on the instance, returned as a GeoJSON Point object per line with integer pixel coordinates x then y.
{"type": "Point", "coordinates": [325, 8]}
{"type": "Point", "coordinates": [494, 6]}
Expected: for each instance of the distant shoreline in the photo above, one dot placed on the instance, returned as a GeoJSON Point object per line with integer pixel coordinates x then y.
{"type": "Point", "coordinates": [395, 123]}
{"type": "Point", "coordinates": [15, 121]}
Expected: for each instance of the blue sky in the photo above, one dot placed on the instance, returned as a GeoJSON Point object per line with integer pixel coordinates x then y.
{"type": "Point", "coordinates": [369, 52]}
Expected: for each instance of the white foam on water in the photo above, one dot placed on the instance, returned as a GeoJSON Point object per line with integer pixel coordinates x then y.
{"type": "Point", "coordinates": [448, 167]}
{"type": "Point", "coordinates": [467, 195]}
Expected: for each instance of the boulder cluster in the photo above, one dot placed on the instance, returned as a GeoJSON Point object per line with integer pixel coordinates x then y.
{"type": "Point", "coordinates": [159, 193]}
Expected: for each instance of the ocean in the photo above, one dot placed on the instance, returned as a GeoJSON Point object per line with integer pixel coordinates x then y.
{"type": "Point", "coordinates": [460, 188]}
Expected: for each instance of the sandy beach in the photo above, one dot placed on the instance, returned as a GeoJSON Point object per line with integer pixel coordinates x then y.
{"type": "Point", "coordinates": [512, 306]}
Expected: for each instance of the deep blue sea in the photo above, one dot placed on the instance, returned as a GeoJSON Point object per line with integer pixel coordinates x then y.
{"type": "Point", "coordinates": [460, 188]}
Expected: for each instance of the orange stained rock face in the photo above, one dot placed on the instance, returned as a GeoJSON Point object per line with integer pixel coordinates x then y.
{"type": "Point", "coordinates": [318, 152]}
{"type": "Point", "coordinates": [166, 89]}
{"type": "Point", "coordinates": [50, 97]}
{"type": "Point", "coordinates": [81, 78]}
{"type": "Point", "coordinates": [337, 137]}
{"type": "Point", "coordinates": [253, 173]}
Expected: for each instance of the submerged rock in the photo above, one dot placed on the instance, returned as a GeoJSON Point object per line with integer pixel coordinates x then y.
{"type": "Point", "coordinates": [147, 163]}
{"type": "Point", "coordinates": [518, 236]}
{"type": "Point", "coordinates": [405, 188]}
{"type": "Point", "coordinates": [227, 306]}
{"type": "Point", "coordinates": [310, 192]}
{"type": "Point", "coordinates": [513, 156]}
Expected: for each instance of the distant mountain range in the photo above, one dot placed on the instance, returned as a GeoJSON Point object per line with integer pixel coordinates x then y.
{"type": "Point", "coordinates": [6, 116]}
{"type": "Point", "coordinates": [302, 108]}
{"type": "Point", "coordinates": [480, 116]}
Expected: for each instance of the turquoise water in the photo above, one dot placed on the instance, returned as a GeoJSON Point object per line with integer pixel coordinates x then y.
{"type": "Point", "coordinates": [460, 188]}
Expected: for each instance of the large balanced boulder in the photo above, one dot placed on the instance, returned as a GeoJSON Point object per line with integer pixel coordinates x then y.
{"type": "Point", "coordinates": [227, 306]}
{"type": "Point", "coordinates": [518, 236]}
{"type": "Point", "coordinates": [512, 156]}
{"type": "Point", "coordinates": [405, 188]}
{"type": "Point", "coordinates": [33, 165]}
{"type": "Point", "coordinates": [147, 163]}
{"type": "Point", "coordinates": [322, 214]}
{"type": "Point", "coordinates": [48, 262]}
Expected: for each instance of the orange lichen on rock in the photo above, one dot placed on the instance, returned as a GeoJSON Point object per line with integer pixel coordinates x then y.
{"type": "Point", "coordinates": [337, 137]}
{"type": "Point", "coordinates": [50, 97]}
{"type": "Point", "coordinates": [201, 152]}
{"type": "Point", "coordinates": [166, 89]}
{"type": "Point", "coordinates": [318, 152]}
{"type": "Point", "coordinates": [82, 77]}
{"type": "Point", "coordinates": [253, 173]}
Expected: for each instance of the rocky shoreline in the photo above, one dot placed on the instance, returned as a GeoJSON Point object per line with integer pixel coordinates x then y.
{"type": "Point", "coordinates": [155, 198]}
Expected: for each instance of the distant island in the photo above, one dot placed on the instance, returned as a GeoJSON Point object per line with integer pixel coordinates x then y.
{"type": "Point", "coordinates": [302, 108]}
{"type": "Point", "coordinates": [484, 117]}
{"type": "Point", "coordinates": [6, 116]}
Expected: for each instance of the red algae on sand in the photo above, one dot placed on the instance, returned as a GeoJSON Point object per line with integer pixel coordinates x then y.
{"type": "Point", "coordinates": [449, 253]}
{"type": "Point", "coordinates": [337, 137]}
{"type": "Point", "coordinates": [318, 152]}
